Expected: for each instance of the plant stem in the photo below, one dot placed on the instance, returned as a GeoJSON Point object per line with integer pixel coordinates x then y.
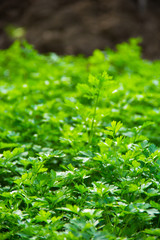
{"type": "Point", "coordinates": [93, 119]}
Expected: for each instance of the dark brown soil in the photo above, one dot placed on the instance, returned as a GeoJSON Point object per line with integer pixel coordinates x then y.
{"type": "Point", "coordinates": [80, 26]}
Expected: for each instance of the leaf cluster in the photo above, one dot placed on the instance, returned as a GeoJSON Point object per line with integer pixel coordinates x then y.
{"type": "Point", "coordinates": [79, 155]}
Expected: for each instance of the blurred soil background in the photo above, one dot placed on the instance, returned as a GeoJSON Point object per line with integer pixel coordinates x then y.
{"type": "Point", "coordinates": [80, 26]}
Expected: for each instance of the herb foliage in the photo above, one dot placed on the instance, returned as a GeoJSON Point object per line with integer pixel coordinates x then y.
{"type": "Point", "coordinates": [79, 137]}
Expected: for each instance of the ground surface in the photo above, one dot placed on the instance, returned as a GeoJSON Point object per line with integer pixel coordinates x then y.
{"type": "Point", "coordinates": [72, 27]}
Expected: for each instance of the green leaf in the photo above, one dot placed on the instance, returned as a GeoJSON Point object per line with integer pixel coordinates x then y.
{"type": "Point", "coordinates": [152, 231]}
{"type": "Point", "coordinates": [11, 155]}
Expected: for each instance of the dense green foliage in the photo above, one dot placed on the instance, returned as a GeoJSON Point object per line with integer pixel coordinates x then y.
{"type": "Point", "coordinates": [78, 137]}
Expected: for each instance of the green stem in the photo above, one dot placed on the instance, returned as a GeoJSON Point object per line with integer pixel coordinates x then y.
{"type": "Point", "coordinates": [93, 119]}
{"type": "Point", "coordinates": [125, 225]}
